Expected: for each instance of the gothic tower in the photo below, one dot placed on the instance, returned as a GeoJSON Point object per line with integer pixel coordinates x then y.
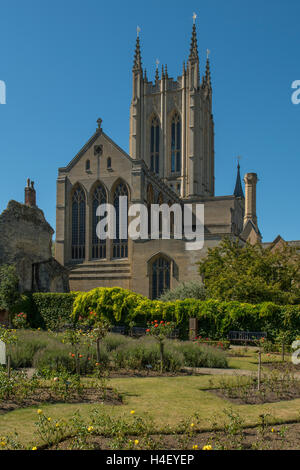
{"type": "Point", "coordinates": [171, 124]}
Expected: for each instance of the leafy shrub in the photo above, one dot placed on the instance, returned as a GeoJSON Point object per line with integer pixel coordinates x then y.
{"type": "Point", "coordinates": [202, 356]}
{"type": "Point", "coordinates": [185, 290]}
{"type": "Point", "coordinates": [113, 340]}
{"type": "Point", "coordinates": [143, 354]}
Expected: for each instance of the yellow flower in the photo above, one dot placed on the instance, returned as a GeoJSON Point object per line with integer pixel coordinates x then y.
{"type": "Point", "coordinates": [195, 447]}
{"type": "Point", "coordinates": [57, 425]}
{"type": "Point", "coordinates": [272, 430]}
{"type": "Point", "coordinates": [136, 442]}
{"type": "Point", "coordinates": [192, 425]}
{"type": "Point", "coordinates": [208, 447]}
{"type": "Point", "coordinates": [39, 412]}
{"type": "Point", "coordinates": [90, 429]}
{"type": "Point", "coordinates": [49, 419]}
{"type": "Point", "coordinates": [3, 444]}
{"type": "Point", "coordinates": [132, 412]}
{"type": "Point", "coordinates": [34, 448]}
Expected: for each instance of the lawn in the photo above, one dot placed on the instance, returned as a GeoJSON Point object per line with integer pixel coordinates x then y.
{"type": "Point", "coordinates": [167, 399]}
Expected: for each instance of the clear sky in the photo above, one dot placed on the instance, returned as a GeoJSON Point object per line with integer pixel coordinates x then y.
{"type": "Point", "coordinates": [67, 62]}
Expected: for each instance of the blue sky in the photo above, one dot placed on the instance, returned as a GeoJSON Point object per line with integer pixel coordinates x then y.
{"type": "Point", "coordinates": [66, 63]}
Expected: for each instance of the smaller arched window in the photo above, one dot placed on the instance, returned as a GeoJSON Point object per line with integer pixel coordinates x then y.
{"type": "Point", "coordinates": [160, 276]}
{"type": "Point", "coordinates": [87, 165]}
{"type": "Point", "coordinates": [176, 144]}
{"type": "Point", "coordinates": [154, 146]}
{"type": "Point", "coordinates": [108, 163]}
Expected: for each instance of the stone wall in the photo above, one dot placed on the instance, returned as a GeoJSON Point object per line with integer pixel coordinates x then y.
{"type": "Point", "coordinates": [26, 241]}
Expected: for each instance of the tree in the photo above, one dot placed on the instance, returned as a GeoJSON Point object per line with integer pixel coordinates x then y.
{"type": "Point", "coordinates": [9, 290]}
{"type": "Point", "coordinates": [160, 331]}
{"type": "Point", "coordinates": [252, 273]}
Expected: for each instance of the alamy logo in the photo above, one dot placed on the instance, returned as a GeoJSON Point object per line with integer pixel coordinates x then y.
{"type": "Point", "coordinates": [185, 224]}
{"type": "Point", "coordinates": [2, 92]}
{"type": "Point", "coordinates": [296, 95]}
{"type": "Point", "coordinates": [296, 353]}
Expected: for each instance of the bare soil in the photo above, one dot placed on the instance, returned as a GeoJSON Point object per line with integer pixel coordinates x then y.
{"type": "Point", "coordinates": [44, 395]}
{"type": "Point", "coordinates": [255, 397]}
{"type": "Point", "coordinates": [277, 437]}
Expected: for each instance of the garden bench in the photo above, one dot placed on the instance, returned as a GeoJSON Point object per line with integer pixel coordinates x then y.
{"type": "Point", "coordinates": [138, 331]}
{"type": "Point", "coordinates": [118, 329]}
{"type": "Point", "coordinates": [174, 334]}
{"type": "Point", "coordinates": [246, 336]}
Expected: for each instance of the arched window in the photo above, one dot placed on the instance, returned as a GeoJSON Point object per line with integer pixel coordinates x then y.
{"type": "Point", "coordinates": [160, 201]}
{"type": "Point", "coordinates": [78, 224]}
{"type": "Point", "coordinates": [87, 165]}
{"type": "Point", "coordinates": [98, 245]}
{"type": "Point", "coordinates": [176, 144]}
{"type": "Point", "coordinates": [120, 246]}
{"type": "Point", "coordinates": [154, 145]}
{"type": "Point", "coordinates": [150, 201]}
{"type": "Point", "coordinates": [160, 276]}
{"type": "Point", "coordinates": [108, 162]}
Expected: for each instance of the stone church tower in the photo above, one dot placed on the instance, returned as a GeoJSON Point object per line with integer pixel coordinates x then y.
{"type": "Point", "coordinates": [171, 160]}
{"type": "Point", "coordinates": [171, 124]}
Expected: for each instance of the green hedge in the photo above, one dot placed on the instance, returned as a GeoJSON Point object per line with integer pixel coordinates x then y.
{"type": "Point", "coordinates": [49, 310]}
{"type": "Point", "coordinates": [215, 318]}
{"type": "Point", "coordinates": [120, 306]}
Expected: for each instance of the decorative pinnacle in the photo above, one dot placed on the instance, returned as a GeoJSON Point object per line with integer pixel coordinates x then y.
{"type": "Point", "coordinates": [207, 70]}
{"type": "Point", "coordinates": [194, 46]}
{"type": "Point", "coordinates": [166, 71]}
{"type": "Point", "coordinates": [238, 191]}
{"type": "Point", "coordinates": [137, 63]}
{"type": "Point", "coordinates": [157, 73]}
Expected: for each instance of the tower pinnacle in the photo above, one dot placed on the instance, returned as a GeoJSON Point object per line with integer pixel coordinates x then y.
{"type": "Point", "coordinates": [207, 70]}
{"type": "Point", "coordinates": [194, 46]}
{"type": "Point", "coordinates": [238, 191]}
{"type": "Point", "coordinates": [137, 63]}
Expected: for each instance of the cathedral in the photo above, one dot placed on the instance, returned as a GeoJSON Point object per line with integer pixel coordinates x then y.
{"type": "Point", "coordinates": [171, 160]}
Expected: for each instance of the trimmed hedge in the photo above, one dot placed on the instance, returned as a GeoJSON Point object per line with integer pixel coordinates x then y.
{"type": "Point", "coordinates": [121, 306]}
{"type": "Point", "coordinates": [49, 310]}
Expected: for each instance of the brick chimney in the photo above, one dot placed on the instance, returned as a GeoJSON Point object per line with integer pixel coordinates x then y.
{"type": "Point", "coordinates": [250, 180]}
{"type": "Point", "coordinates": [30, 194]}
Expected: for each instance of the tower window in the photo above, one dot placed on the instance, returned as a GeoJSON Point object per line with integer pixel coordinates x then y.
{"type": "Point", "coordinates": [108, 163]}
{"type": "Point", "coordinates": [176, 144]}
{"type": "Point", "coordinates": [87, 165]}
{"type": "Point", "coordinates": [154, 146]}
{"type": "Point", "coordinates": [78, 224]}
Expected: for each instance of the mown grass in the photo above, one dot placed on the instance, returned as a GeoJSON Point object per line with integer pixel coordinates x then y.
{"type": "Point", "coordinates": [167, 399]}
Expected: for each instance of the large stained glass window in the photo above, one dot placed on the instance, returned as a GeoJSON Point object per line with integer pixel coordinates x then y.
{"type": "Point", "coordinates": [120, 246]}
{"type": "Point", "coordinates": [98, 245]}
{"type": "Point", "coordinates": [78, 224]}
